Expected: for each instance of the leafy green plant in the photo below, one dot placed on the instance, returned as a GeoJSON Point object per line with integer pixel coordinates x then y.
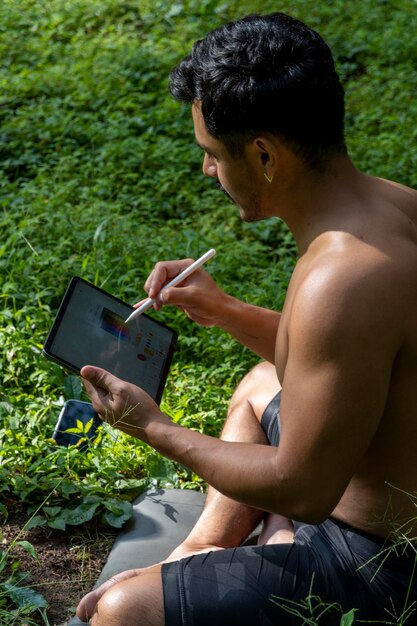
{"type": "Point", "coordinates": [66, 486]}
{"type": "Point", "coordinates": [17, 599]}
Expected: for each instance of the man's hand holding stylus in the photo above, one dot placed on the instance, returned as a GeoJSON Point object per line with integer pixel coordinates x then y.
{"type": "Point", "coordinates": [198, 296]}
{"type": "Point", "coordinates": [205, 303]}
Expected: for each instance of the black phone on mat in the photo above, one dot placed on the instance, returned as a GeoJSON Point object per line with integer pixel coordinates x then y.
{"type": "Point", "coordinates": [77, 423]}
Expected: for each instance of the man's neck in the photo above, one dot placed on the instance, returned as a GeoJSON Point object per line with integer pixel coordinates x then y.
{"type": "Point", "coordinates": [320, 201]}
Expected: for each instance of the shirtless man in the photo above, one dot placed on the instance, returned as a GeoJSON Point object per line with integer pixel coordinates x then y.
{"type": "Point", "coordinates": [337, 481]}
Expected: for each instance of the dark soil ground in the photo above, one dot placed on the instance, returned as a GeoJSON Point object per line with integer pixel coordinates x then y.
{"type": "Point", "coordinates": [69, 562]}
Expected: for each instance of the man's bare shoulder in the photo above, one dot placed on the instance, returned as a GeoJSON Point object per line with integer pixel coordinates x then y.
{"type": "Point", "coordinates": [409, 191]}
{"type": "Point", "coordinates": [344, 266]}
{"type": "Point", "coordinates": [402, 197]}
{"type": "Point", "coordinates": [357, 280]}
{"type": "Point", "coordinates": [370, 254]}
{"type": "Point", "coordinates": [351, 284]}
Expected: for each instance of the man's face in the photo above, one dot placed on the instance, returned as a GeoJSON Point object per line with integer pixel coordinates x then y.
{"type": "Point", "coordinates": [235, 175]}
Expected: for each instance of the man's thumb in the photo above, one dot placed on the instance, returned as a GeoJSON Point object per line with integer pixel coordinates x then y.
{"type": "Point", "coordinates": [97, 376]}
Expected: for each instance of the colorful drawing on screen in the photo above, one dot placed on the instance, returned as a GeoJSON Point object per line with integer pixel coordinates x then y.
{"type": "Point", "coordinates": [114, 324]}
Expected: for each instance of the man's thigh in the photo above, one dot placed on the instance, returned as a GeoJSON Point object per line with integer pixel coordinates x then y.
{"type": "Point", "coordinates": [329, 570]}
{"type": "Point", "coordinates": [242, 586]}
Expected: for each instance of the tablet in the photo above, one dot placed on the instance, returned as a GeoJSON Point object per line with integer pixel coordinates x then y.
{"type": "Point", "coordinates": [89, 329]}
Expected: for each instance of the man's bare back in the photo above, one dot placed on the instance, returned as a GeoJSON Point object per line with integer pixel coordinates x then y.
{"type": "Point", "coordinates": [370, 262]}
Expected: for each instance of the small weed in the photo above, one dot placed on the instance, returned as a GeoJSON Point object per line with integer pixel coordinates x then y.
{"type": "Point", "coordinates": [312, 609]}
{"type": "Point", "coordinates": [17, 599]}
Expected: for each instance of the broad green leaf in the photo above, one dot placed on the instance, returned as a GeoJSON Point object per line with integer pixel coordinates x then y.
{"type": "Point", "coordinates": [68, 488]}
{"type": "Point", "coordinates": [25, 598]}
{"type": "Point", "coordinates": [28, 548]}
{"type": "Point", "coordinates": [94, 498]}
{"type": "Point", "coordinates": [118, 507]}
{"type": "Point", "coordinates": [58, 523]}
{"type": "Point", "coordinates": [37, 520]}
{"type": "Point", "coordinates": [73, 387]}
{"type": "Point", "coordinates": [80, 514]}
{"type": "Point", "coordinates": [114, 520]}
{"type": "Point", "coordinates": [132, 483]}
{"type": "Point", "coordinates": [51, 510]}
{"type": "Point", "coordinates": [117, 512]}
{"type": "Point", "coordinates": [348, 618]}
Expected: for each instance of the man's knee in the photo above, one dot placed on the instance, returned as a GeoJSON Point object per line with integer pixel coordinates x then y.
{"type": "Point", "coordinates": [263, 373]}
{"type": "Point", "coordinates": [134, 602]}
{"type": "Point", "coordinates": [258, 388]}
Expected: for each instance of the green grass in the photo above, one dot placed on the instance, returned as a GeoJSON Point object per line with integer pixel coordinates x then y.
{"type": "Point", "coordinates": [100, 177]}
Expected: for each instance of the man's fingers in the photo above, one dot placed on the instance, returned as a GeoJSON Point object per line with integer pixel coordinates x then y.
{"type": "Point", "coordinates": [87, 605]}
{"type": "Point", "coordinates": [178, 296]}
{"type": "Point", "coordinates": [138, 304]}
{"type": "Point", "coordinates": [162, 273]}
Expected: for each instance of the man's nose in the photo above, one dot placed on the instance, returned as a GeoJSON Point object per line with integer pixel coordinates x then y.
{"type": "Point", "coordinates": [209, 168]}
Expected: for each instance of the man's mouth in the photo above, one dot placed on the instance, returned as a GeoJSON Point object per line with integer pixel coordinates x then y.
{"type": "Point", "coordinates": [221, 188]}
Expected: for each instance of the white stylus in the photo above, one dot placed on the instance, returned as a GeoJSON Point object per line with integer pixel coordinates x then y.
{"type": "Point", "coordinates": [173, 283]}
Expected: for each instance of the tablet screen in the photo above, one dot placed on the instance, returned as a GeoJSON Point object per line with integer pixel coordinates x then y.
{"type": "Point", "coordinates": [89, 329]}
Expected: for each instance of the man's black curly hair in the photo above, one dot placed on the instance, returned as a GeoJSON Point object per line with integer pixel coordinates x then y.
{"type": "Point", "coordinates": [266, 73]}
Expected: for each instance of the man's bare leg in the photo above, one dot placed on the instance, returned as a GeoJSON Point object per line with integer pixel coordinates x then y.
{"type": "Point", "coordinates": [224, 522]}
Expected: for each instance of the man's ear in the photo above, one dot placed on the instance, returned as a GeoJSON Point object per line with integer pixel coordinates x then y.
{"type": "Point", "coordinates": [264, 153]}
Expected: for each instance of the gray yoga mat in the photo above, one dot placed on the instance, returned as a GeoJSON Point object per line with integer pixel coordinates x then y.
{"type": "Point", "coordinates": [161, 521]}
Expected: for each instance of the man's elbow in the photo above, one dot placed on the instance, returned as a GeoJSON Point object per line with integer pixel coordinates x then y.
{"type": "Point", "coordinates": [302, 500]}
{"type": "Point", "coordinates": [308, 510]}
{"type": "Point", "coordinates": [311, 515]}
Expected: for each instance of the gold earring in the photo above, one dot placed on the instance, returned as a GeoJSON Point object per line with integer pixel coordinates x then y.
{"type": "Point", "coordinates": [268, 178]}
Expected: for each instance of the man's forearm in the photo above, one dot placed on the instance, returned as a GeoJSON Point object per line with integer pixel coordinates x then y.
{"type": "Point", "coordinates": [245, 472]}
{"type": "Point", "coordinates": [254, 327]}
{"type": "Point", "coordinates": [222, 464]}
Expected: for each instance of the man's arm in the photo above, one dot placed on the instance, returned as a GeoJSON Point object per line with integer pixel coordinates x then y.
{"type": "Point", "coordinates": [205, 303]}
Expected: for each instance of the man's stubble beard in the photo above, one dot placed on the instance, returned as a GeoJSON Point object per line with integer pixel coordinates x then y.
{"type": "Point", "coordinates": [254, 214]}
